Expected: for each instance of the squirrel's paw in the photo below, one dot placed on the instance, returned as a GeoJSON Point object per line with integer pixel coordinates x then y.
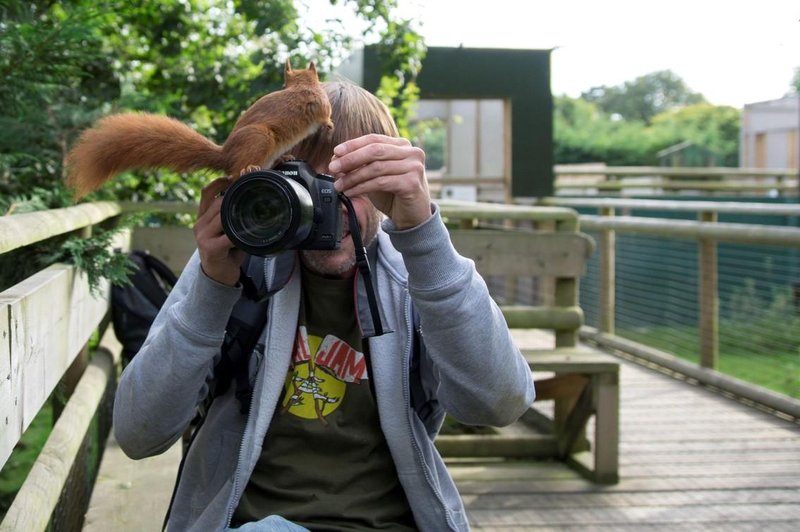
{"type": "Point", "coordinates": [249, 168]}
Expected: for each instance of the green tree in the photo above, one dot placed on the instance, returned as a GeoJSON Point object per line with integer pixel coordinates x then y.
{"type": "Point", "coordinates": [53, 72]}
{"type": "Point", "coordinates": [201, 61]}
{"type": "Point", "coordinates": [715, 127]}
{"type": "Point", "coordinates": [584, 133]}
{"type": "Point", "coordinates": [644, 97]}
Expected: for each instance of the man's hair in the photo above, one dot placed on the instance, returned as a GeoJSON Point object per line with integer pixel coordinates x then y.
{"type": "Point", "coordinates": [355, 112]}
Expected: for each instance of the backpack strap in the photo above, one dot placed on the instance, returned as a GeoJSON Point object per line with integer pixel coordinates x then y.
{"type": "Point", "coordinates": [247, 321]}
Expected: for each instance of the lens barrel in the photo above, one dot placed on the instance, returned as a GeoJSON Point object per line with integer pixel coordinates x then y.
{"type": "Point", "coordinates": [263, 212]}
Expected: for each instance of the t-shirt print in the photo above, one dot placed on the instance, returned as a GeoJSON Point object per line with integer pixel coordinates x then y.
{"type": "Point", "coordinates": [321, 369]}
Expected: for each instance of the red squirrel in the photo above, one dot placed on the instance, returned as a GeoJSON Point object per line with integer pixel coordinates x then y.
{"type": "Point", "coordinates": [265, 131]}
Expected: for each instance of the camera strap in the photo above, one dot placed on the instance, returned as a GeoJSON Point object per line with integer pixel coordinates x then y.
{"type": "Point", "coordinates": [362, 262]}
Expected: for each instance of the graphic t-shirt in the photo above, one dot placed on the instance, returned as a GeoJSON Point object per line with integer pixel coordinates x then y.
{"type": "Point", "coordinates": [325, 462]}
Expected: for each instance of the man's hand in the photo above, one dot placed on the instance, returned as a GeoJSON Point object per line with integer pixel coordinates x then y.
{"type": "Point", "coordinates": [390, 171]}
{"type": "Point", "coordinates": [219, 259]}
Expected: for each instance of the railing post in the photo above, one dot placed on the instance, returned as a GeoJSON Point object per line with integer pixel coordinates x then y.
{"type": "Point", "coordinates": [709, 297]}
{"type": "Point", "coordinates": [607, 275]}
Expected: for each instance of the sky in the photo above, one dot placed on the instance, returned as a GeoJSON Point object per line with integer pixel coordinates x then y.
{"type": "Point", "coordinates": [734, 52]}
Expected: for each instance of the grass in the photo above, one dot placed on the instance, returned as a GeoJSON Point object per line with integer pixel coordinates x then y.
{"type": "Point", "coordinates": [774, 365]}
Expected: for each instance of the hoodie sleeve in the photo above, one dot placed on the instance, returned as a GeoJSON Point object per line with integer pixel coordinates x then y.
{"type": "Point", "coordinates": [162, 386]}
{"type": "Point", "coordinates": [483, 377]}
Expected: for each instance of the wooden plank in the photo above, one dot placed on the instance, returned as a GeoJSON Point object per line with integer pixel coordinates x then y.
{"type": "Point", "coordinates": [735, 207]}
{"type": "Point", "coordinates": [491, 482]}
{"type": "Point", "coordinates": [39, 495]}
{"type": "Point", "coordinates": [544, 502]}
{"type": "Point", "coordinates": [11, 419]}
{"type": "Point", "coordinates": [27, 228]}
{"type": "Point", "coordinates": [132, 495]}
{"type": "Point", "coordinates": [482, 446]}
{"type": "Point", "coordinates": [49, 318]}
{"type": "Point", "coordinates": [569, 318]}
{"type": "Point", "coordinates": [519, 253]}
{"type": "Point", "coordinates": [495, 211]}
{"type": "Point", "coordinates": [570, 362]}
{"type": "Point", "coordinates": [718, 449]}
{"type": "Point", "coordinates": [723, 232]}
{"type": "Point", "coordinates": [560, 387]}
{"type": "Point", "coordinates": [782, 455]}
{"type": "Point", "coordinates": [683, 171]}
{"type": "Point", "coordinates": [605, 401]}
{"type": "Point", "coordinates": [720, 470]}
{"type": "Point", "coordinates": [730, 515]}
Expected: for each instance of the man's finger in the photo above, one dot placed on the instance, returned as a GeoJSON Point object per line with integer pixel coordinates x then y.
{"type": "Point", "coordinates": [211, 191]}
{"type": "Point", "coordinates": [373, 138]}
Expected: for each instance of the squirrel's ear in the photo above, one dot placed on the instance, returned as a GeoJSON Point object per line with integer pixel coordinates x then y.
{"type": "Point", "coordinates": [312, 67]}
{"type": "Point", "coordinates": [288, 68]}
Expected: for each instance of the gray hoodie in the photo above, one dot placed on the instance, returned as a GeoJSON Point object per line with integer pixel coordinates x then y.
{"type": "Point", "coordinates": [470, 368]}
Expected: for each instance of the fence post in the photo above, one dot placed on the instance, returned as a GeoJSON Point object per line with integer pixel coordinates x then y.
{"type": "Point", "coordinates": [709, 297]}
{"type": "Point", "coordinates": [607, 275]}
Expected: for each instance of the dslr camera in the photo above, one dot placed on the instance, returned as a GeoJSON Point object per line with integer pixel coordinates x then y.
{"type": "Point", "coordinates": [288, 207]}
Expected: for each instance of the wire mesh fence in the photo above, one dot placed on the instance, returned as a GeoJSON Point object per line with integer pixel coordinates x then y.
{"type": "Point", "coordinates": [657, 304]}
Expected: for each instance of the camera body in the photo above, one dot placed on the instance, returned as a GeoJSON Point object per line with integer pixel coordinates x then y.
{"type": "Point", "coordinates": [288, 207]}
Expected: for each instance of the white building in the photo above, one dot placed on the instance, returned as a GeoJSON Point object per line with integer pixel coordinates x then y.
{"type": "Point", "coordinates": [770, 134]}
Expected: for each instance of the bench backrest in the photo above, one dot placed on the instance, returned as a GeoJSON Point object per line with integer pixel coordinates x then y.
{"type": "Point", "coordinates": [532, 258]}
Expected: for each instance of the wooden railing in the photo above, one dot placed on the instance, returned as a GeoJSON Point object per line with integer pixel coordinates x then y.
{"type": "Point", "coordinates": [708, 232]}
{"type": "Point", "coordinates": [655, 180]}
{"type": "Point", "coordinates": [599, 179]}
{"type": "Point", "coordinates": [46, 323]}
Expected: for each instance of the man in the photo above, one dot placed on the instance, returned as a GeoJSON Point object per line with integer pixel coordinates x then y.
{"type": "Point", "coordinates": [339, 434]}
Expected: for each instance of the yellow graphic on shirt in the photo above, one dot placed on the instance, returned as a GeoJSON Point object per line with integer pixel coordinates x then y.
{"type": "Point", "coordinates": [319, 374]}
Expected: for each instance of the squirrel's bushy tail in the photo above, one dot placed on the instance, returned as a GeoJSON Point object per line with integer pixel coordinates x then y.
{"type": "Point", "coordinates": [130, 141]}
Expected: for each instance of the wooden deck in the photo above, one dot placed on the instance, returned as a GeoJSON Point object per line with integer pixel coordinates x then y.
{"type": "Point", "coordinates": [690, 459]}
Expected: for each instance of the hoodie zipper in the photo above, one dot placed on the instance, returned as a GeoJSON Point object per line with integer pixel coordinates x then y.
{"type": "Point", "coordinates": [237, 474]}
{"type": "Point", "coordinates": [407, 400]}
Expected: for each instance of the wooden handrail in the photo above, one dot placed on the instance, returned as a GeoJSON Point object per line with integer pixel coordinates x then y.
{"type": "Point", "coordinates": [729, 207]}
{"type": "Point", "coordinates": [22, 230]}
{"type": "Point", "coordinates": [724, 232]}
{"type": "Point", "coordinates": [671, 171]}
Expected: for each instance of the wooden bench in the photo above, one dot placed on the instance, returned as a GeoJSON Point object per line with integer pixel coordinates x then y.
{"type": "Point", "coordinates": [581, 383]}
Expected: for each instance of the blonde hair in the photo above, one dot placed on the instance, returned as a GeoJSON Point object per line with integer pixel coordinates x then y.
{"type": "Point", "coordinates": [355, 112]}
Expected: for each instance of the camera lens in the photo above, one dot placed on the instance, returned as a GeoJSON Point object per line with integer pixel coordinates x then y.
{"type": "Point", "coordinates": [264, 212]}
{"type": "Point", "coordinates": [262, 215]}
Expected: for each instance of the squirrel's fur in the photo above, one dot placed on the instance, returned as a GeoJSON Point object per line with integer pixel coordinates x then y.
{"type": "Point", "coordinates": [264, 132]}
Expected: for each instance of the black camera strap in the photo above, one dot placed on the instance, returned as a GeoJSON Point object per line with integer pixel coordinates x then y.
{"type": "Point", "coordinates": [362, 262]}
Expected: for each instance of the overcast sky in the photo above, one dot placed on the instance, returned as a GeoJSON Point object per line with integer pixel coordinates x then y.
{"type": "Point", "coordinates": [734, 52]}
